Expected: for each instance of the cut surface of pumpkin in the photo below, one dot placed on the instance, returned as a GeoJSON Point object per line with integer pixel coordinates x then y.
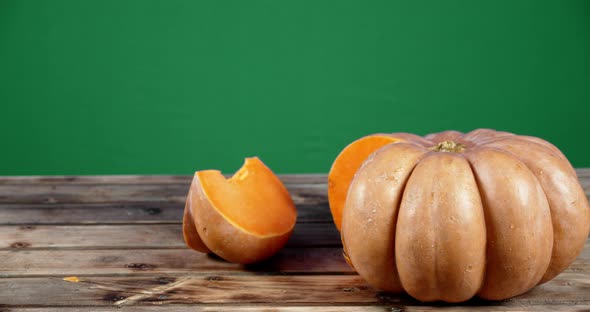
{"type": "Point", "coordinates": [346, 165]}
{"type": "Point", "coordinates": [243, 219]}
{"type": "Point", "coordinates": [253, 199]}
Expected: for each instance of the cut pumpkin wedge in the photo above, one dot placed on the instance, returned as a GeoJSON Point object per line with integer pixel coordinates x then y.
{"type": "Point", "coordinates": [189, 230]}
{"type": "Point", "coordinates": [347, 164]}
{"type": "Point", "coordinates": [244, 219]}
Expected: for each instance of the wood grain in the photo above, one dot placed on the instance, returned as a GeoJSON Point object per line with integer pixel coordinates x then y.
{"type": "Point", "coordinates": [134, 236]}
{"type": "Point", "coordinates": [141, 179]}
{"type": "Point", "coordinates": [311, 194]}
{"type": "Point", "coordinates": [127, 213]}
{"type": "Point", "coordinates": [319, 308]}
{"type": "Point", "coordinates": [568, 288]}
{"type": "Point", "coordinates": [27, 263]}
{"type": "Point", "coordinates": [325, 260]}
{"type": "Point", "coordinates": [165, 179]}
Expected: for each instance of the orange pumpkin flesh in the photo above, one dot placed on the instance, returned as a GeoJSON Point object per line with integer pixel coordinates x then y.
{"type": "Point", "coordinates": [244, 219]}
{"type": "Point", "coordinates": [346, 165]}
{"type": "Point", "coordinates": [452, 215]}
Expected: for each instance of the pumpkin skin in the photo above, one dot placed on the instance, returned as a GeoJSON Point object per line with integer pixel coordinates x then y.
{"type": "Point", "coordinates": [452, 216]}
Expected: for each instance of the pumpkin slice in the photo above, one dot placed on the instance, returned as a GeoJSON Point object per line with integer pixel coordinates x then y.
{"type": "Point", "coordinates": [244, 219]}
{"type": "Point", "coordinates": [346, 165]}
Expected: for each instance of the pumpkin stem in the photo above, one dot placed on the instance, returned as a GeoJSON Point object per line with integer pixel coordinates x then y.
{"type": "Point", "coordinates": [448, 147]}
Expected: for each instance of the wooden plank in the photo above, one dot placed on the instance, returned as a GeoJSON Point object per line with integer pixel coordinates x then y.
{"type": "Point", "coordinates": [141, 179]}
{"type": "Point", "coordinates": [583, 172]}
{"type": "Point", "coordinates": [54, 194]}
{"type": "Point", "coordinates": [310, 194]}
{"type": "Point", "coordinates": [568, 288]}
{"type": "Point", "coordinates": [314, 178]}
{"type": "Point", "coordinates": [147, 260]}
{"type": "Point", "coordinates": [28, 263]}
{"type": "Point", "coordinates": [44, 214]}
{"type": "Point", "coordinates": [319, 308]}
{"type": "Point", "coordinates": [56, 262]}
{"type": "Point", "coordinates": [302, 194]}
{"type": "Point", "coordinates": [206, 308]}
{"type": "Point", "coordinates": [586, 186]}
{"type": "Point", "coordinates": [136, 236]}
{"type": "Point", "coordinates": [216, 308]}
{"type": "Point", "coordinates": [96, 179]}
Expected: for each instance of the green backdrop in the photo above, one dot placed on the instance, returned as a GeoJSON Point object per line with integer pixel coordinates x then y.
{"type": "Point", "coordinates": [156, 87]}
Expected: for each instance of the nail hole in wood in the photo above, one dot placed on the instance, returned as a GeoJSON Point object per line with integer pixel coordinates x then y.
{"type": "Point", "coordinates": [153, 211]}
{"type": "Point", "coordinates": [215, 278]}
{"type": "Point", "coordinates": [20, 245]}
{"type": "Point", "coordinates": [165, 280]}
{"type": "Point", "coordinates": [139, 266]}
{"type": "Point", "coordinates": [113, 297]}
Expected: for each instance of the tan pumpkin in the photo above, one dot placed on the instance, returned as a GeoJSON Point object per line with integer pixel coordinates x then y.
{"type": "Point", "coordinates": [451, 216]}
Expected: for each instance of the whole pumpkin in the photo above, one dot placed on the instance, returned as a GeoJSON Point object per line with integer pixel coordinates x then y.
{"type": "Point", "coordinates": [450, 215]}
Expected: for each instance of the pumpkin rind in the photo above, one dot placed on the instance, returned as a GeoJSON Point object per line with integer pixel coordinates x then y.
{"type": "Point", "coordinates": [507, 205]}
{"type": "Point", "coordinates": [440, 239]}
{"type": "Point", "coordinates": [567, 201]}
{"type": "Point", "coordinates": [189, 229]}
{"type": "Point", "coordinates": [518, 222]}
{"type": "Point", "coordinates": [349, 161]}
{"type": "Point", "coordinates": [346, 164]}
{"type": "Point", "coordinates": [373, 249]}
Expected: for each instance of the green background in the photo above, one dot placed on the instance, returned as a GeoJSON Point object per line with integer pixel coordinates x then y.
{"type": "Point", "coordinates": [170, 87]}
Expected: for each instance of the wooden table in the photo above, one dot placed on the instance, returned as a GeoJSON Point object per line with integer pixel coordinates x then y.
{"type": "Point", "coordinates": [121, 237]}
